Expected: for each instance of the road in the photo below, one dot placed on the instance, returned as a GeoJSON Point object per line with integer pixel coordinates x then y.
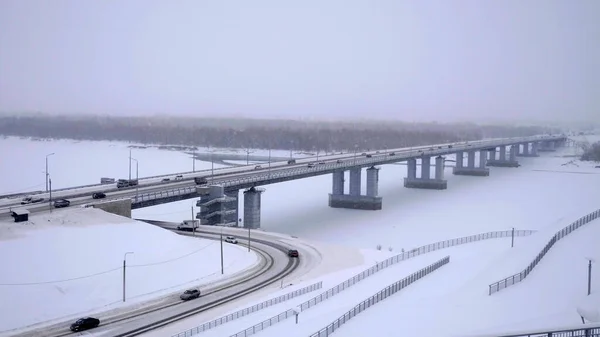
{"type": "Point", "coordinates": [155, 184]}
{"type": "Point", "coordinates": [170, 309]}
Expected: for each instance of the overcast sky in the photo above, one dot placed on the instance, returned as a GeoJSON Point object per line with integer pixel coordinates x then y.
{"type": "Point", "coordinates": [408, 60]}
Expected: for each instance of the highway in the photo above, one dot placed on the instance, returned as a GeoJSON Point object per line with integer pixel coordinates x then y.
{"type": "Point", "coordinates": [274, 265]}
{"type": "Point", "coordinates": [80, 196]}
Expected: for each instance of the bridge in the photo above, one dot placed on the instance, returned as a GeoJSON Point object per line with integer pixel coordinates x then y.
{"type": "Point", "coordinates": [218, 199]}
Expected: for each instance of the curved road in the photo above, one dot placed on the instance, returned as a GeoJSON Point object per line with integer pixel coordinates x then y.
{"type": "Point", "coordinates": [278, 266]}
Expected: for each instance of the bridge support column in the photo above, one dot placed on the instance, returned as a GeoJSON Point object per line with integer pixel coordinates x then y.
{"type": "Point", "coordinates": [252, 207]}
{"type": "Point", "coordinates": [460, 160]}
{"type": "Point", "coordinates": [526, 152]}
{"type": "Point", "coordinates": [471, 169]}
{"type": "Point", "coordinates": [354, 200]}
{"type": "Point", "coordinates": [425, 181]}
{"type": "Point", "coordinates": [546, 146]}
{"type": "Point", "coordinates": [492, 154]}
{"type": "Point", "coordinates": [218, 208]}
{"type": "Point", "coordinates": [503, 161]}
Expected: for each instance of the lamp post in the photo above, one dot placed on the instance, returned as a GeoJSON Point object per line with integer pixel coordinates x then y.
{"type": "Point", "coordinates": [136, 176]}
{"type": "Point", "coordinates": [129, 163]}
{"type": "Point", "coordinates": [50, 198]}
{"type": "Point", "coordinates": [124, 271]}
{"type": "Point", "coordinates": [47, 173]}
{"type": "Point", "coordinates": [194, 160]}
{"type": "Point", "coordinates": [512, 238]}
{"type": "Point", "coordinates": [355, 150]}
{"type": "Point", "coordinates": [221, 250]}
{"type": "Point", "coordinates": [589, 275]}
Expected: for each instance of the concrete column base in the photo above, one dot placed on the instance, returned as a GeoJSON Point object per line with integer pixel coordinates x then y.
{"type": "Point", "coordinates": [471, 171]}
{"type": "Point", "coordinates": [355, 202]}
{"type": "Point", "coordinates": [428, 184]}
{"type": "Point", "coordinates": [503, 163]}
{"type": "Point", "coordinates": [528, 155]}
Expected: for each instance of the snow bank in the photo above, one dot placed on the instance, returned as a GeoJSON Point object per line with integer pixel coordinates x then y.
{"type": "Point", "coordinates": [70, 261]}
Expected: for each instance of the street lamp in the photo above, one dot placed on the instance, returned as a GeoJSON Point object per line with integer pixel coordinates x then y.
{"type": "Point", "coordinates": [221, 250]}
{"type": "Point", "coordinates": [129, 163]}
{"type": "Point", "coordinates": [124, 270]}
{"type": "Point", "coordinates": [136, 175]}
{"type": "Point", "coordinates": [589, 285]}
{"type": "Point", "coordinates": [512, 238]}
{"type": "Point", "coordinates": [47, 174]}
{"type": "Point", "coordinates": [355, 150]}
{"type": "Point", "coordinates": [194, 160]}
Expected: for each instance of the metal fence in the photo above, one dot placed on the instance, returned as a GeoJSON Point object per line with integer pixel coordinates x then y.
{"type": "Point", "coordinates": [518, 277]}
{"type": "Point", "coordinates": [380, 296]}
{"type": "Point", "coordinates": [588, 330]}
{"type": "Point", "coordinates": [249, 310]}
{"type": "Point", "coordinates": [376, 268]}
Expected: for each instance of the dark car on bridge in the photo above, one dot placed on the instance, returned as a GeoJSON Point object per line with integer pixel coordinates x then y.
{"type": "Point", "coordinates": [190, 294]}
{"type": "Point", "coordinates": [85, 323]}
{"type": "Point", "coordinates": [293, 253]}
{"type": "Point", "coordinates": [60, 203]}
{"type": "Point", "coordinates": [98, 195]}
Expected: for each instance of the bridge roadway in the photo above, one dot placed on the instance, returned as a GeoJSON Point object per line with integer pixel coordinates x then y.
{"type": "Point", "coordinates": [248, 175]}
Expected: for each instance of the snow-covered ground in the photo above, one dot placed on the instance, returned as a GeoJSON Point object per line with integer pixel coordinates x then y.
{"type": "Point", "coordinates": [70, 261]}
{"type": "Point", "coordinates": [545, 193]}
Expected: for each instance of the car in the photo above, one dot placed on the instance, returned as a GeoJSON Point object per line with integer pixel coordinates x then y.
{"type": "Point", "coordinates": [190, 294]}
{"type": "Point", "coordinates": [292, 253]}
{"type": "Point", "coordinates": [392, 153]}
{"type": "Point", "coordinates": [85, 323]}
{"type": "Point", "coordinates": [60, 203]}
{"type": "Point", "coordinates": [178, 177]}
{"type": "Point", "coordinates": [364, 154]}
{"type": "Point", "coordinates": [339, 161]}
{"type": "Point", "coordinates": [98, 195]}
{"type": "Point", "coordinates": [449, 146]}
{"type": "Point", "coordinates": [231, 239]}
{"type": "Point", "coordinates": [431, 149]}
{"type": "Point", "coordinates": [321, 163]}
{"type": "Point", "coordinates": [291, 161]}
{"type": "Point", "coordinates": [369, 156]}
{"type": "Point", "coordinates": [257, 167]}
{"type": "Point", "coordinates": [200, 180]}
{"type": "Point", "coordinates": [166, 179]}
{"type": "Point", "coordinates": [31, 200]}
{"type": "Point", "coordinates": [439, 147]}
{"type": "Point", "coordinates": [310, 165]}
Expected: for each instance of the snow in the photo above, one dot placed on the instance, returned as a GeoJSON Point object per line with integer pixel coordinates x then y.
{"type": "Point", "coordinates": [544, 194]}
{"type": "Point", "coordinates": [72, 245]}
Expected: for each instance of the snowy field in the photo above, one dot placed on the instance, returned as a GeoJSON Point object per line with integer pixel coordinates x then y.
{"type": "Point", "coordinates": [545, 193]}
{"type": "Point", "coordinates": [58, 265]}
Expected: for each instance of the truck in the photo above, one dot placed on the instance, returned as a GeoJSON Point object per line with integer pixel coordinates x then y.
{"type": "Point", "coordinates": [107, 180]}
{"type": "Point", "coordinates": [188, 225]}
{"type": "Point", "coordinates": [200, 180]}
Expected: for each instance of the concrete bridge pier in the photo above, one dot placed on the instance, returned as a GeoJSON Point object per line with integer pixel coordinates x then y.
{"type": "Point", "coordinates": [355, 200]}
{"type": "Point", "coordinates": [425, 181]}
{"type": "Point", "coordinates": [511, 161]}
{"type": "Point", "coordinates": [218, 208]}
{"type": "Point", "coordinates": [526, 152]}
{"type": "Point", "coordinates": [252, 207]}
{"type": "Point", "coordinates": [471, 169]}
{"type": "Point", "coordinates": [547, 146]}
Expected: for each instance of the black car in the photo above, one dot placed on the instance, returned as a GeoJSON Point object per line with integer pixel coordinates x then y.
{"type": "Point", "coordinates": [190, 294]}
{"type": "Point", "coordinates": [98, 195]}
{"type": "Point", "coordinates": [291, 161]}
{"type": "Point", "coordinates": [85, 323]}
{"type": "Point", "coordinates": [60, 203]}
{"type": "Point", "coordinates": [292, 253]}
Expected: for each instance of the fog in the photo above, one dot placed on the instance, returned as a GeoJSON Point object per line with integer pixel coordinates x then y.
{"type": "Point", "coordinates": [535, 60]}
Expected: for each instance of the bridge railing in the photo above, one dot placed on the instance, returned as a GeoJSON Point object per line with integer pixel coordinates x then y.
{"type": "Point", "coordinates": [375, 269]}
{"type": "Point", "coordinates": [380, 296]}
{"type": "Point", "coordinates": [520, 276]}
{"type": "Point", "coordinates": [246, 311]}
{"type": "Point", "coordinates": [163, 194]}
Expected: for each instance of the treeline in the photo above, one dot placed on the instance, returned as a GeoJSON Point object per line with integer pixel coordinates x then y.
{"type": "Point", "coordinates": [592, 153]}
{"type": "Point", "coordinates": [240, 133]}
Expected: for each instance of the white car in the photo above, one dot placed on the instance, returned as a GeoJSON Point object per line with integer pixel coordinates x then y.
{"type": "Point", "coordinates": [231, 239]}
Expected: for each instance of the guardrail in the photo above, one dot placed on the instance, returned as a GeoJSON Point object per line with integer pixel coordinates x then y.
{"type": "Point", "coordinates": [163, 194]}
{"type": "Point", "coordinates": [518, 277]}
{"type": "Point", "coordinates": [249, 310]}
{"type": "Point", "coordinates": [380, 296]}
{"type": "Point", "coordinates": [588, 330]}
{"type": "Point", "coordinates": [376, 268]}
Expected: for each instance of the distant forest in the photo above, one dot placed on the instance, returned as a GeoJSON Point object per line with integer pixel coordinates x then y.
{"type": "Point", "coordinates": [253, 133]}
